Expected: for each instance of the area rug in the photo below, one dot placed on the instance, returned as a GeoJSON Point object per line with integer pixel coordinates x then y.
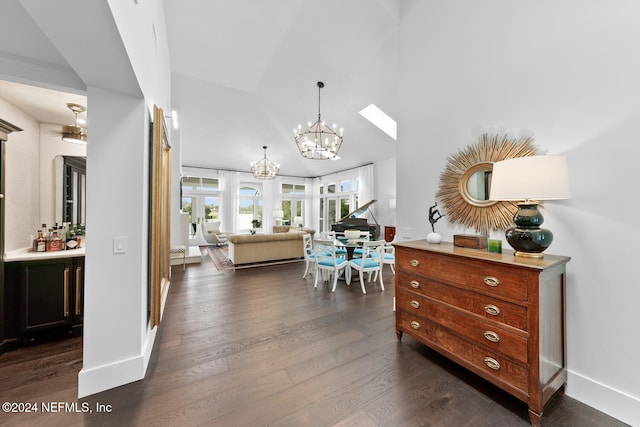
{"type": "Point", "coordinates": [219, 257]}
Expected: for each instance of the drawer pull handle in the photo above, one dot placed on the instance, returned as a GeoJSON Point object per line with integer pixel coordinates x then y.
{"type": "Point", "coordinates": [491, 336]}
{"type": "Point", "coordinates": [415, 284]}
{"type": "Point", "coordinates": [492, 363]}
{"type": "Point", "coordinates": [492, 309]}
{"type": "Point", "coordinates": [491, 281]}
{"type": "Point", "coordinates": [415, 325]}
{"type": "Point", "coordinates": [414, 304]}
{"type": "Point", "coordinates": [414, 263]}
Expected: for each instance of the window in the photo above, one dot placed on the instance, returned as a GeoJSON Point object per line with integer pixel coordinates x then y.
{"type": "Point", "coordinates": [201, 198]}
{"type": "Point", "coordinates": [250, 207]}
{"type": "Point", "coordinates": [292, 201]}
{"type": "Point", "coordinates": [344, 207]}
{"type": "Point", "coordinates": [190, 183]}
{"type": "Point", "coordinates": [331, 217]}
{"type": "Point", "coordinates": [211, 209]}
{"type": "Point", "coordinates": [187, 207]}
{"type": "Point", "coordinates": [209, 184]}
{"type": "Point", "coordinates": [336, 201]}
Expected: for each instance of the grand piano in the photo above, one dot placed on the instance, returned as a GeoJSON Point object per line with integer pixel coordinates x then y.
{"type": "Point", "coordinates": [352, 222]}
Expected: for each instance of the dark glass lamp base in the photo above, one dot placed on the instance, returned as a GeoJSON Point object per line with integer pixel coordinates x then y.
{"type": "Point", "coordinates": [529, 242]}
{"type": "Point", "coordinates": [527, 238]}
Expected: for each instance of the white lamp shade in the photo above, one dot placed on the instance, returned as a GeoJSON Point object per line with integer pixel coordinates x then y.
{"type": "Point", "coordinates": [530, 178]}
{"type": "Point", "coordinates": [278, 213]}
{"type": "Point", "coordinates": [297, 220]}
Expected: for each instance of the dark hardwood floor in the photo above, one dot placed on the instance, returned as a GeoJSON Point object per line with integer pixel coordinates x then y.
{"type": "Point", "coordinates": [261, 346]}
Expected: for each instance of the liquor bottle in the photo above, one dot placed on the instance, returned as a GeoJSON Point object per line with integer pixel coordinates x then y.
{"type": "Point", "coordinates": [72, 240]}
{"type": "Point", "coordinates": [44, 232]}
{"type": "Point", "coordinates": [62, 233]}
{"type": "Point", "coordinates": [55, 243]}
{"type": "Point", "coordinates": [79, 236]}
{"type": "Point", "coordinates": [41, 242]}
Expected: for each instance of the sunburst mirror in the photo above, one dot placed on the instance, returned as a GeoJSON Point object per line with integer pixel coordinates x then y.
{"type": "Point", "coordinates": [466, 179]}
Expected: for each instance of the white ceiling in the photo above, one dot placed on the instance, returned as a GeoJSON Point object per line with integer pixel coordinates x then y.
{"type": "Point", "coordinates": [44, 105]}
{"type": "Point", "coordinates": [244, 73]}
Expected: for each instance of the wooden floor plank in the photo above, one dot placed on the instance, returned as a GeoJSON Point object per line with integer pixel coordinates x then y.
{"type": "Point", "coordinates": [262, 346]}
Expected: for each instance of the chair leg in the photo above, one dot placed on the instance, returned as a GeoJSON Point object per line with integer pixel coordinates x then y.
{"type": "Point", "coordinates": [381, 281]}
{"type": "Point", "coordinates": [335, 280]}
{"type": "Point", "coordinates": [306, 269]}
{"type": "Point", "coordinates": [364, 291]}
{"type": "Point", "coordinates": [315, 282]}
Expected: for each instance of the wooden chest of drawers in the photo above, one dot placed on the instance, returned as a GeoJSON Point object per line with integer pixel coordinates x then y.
{"type": "Point", "coordinates": [498, 315]}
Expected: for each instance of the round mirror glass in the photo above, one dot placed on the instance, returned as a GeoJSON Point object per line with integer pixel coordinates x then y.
{"type": "Point", "coordinates": [478, 186]}
{"type": "Point", "coordinates": [475, 184]}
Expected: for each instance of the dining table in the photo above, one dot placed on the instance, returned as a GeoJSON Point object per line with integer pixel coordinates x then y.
{"type": "Point", "coordinates": [349, 244]}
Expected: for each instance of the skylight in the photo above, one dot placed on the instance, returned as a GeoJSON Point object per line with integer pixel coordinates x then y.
{"type": "Point", "coordinates": [381, 120]}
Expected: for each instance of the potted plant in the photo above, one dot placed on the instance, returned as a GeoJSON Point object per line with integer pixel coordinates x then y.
{"type": "Point", "coordinates": [256, 223]}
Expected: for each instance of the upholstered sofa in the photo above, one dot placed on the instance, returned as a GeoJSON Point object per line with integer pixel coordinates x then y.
{"type": "Point", "coordinates": [250, 248]}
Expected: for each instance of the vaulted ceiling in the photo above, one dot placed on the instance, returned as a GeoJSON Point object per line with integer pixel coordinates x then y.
{"type": "Point", "coordinates": [244, 74]}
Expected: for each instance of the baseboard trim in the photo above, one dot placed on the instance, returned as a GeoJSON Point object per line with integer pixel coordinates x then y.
{"type": "Point", "coordinates": [615, 403]}
{"type": "Point", "coordinates": [105, 377]}
{"type": "Point", "coordinates": [8, 345]}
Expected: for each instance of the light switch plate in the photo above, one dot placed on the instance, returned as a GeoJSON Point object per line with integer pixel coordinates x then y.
{"type": "Point", "coordinates": [406, 233]}
{"type": "Point", "coordinates": [119, 245]}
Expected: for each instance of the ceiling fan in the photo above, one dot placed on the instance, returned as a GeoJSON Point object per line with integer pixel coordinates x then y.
{"type": "Point", "coordinates": [75, 133]}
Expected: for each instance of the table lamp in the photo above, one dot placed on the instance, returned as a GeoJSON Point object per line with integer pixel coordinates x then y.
{"type": "Point", "coordinates": [530, 180]}
{"type": "Point", "coordinates": [298, 221]}
{"type": "Point", "coordinates": [278, 214]}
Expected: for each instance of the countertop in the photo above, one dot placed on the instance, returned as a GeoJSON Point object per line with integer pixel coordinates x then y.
{"type": "Point", "coordinates": [27, 255]}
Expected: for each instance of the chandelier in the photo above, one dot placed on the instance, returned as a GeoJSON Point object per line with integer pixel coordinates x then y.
{"type": "Point", "coordinates": [265, 168]}
{"type": "Point", "coordinates": [319, 141]}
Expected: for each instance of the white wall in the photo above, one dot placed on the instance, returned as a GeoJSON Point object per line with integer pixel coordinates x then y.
{"type": "Point", "coordinates": [29, 174]}
{"type": "Point", "coordinates": [122, 58]}
{"type": "Point", "coordinates": [568, 73]}
{"type": "Point", "coordinates": [118, 182]}
{"type": "Point", "coordinates": [385, 172]}
{"type": "Point", "coordinates": [116, 335]}
{"type": "Point", "coordinates": [22, 182]}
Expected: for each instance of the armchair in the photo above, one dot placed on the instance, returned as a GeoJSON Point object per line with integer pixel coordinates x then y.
{"type": "Point", "coordinates": [212, 235]}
